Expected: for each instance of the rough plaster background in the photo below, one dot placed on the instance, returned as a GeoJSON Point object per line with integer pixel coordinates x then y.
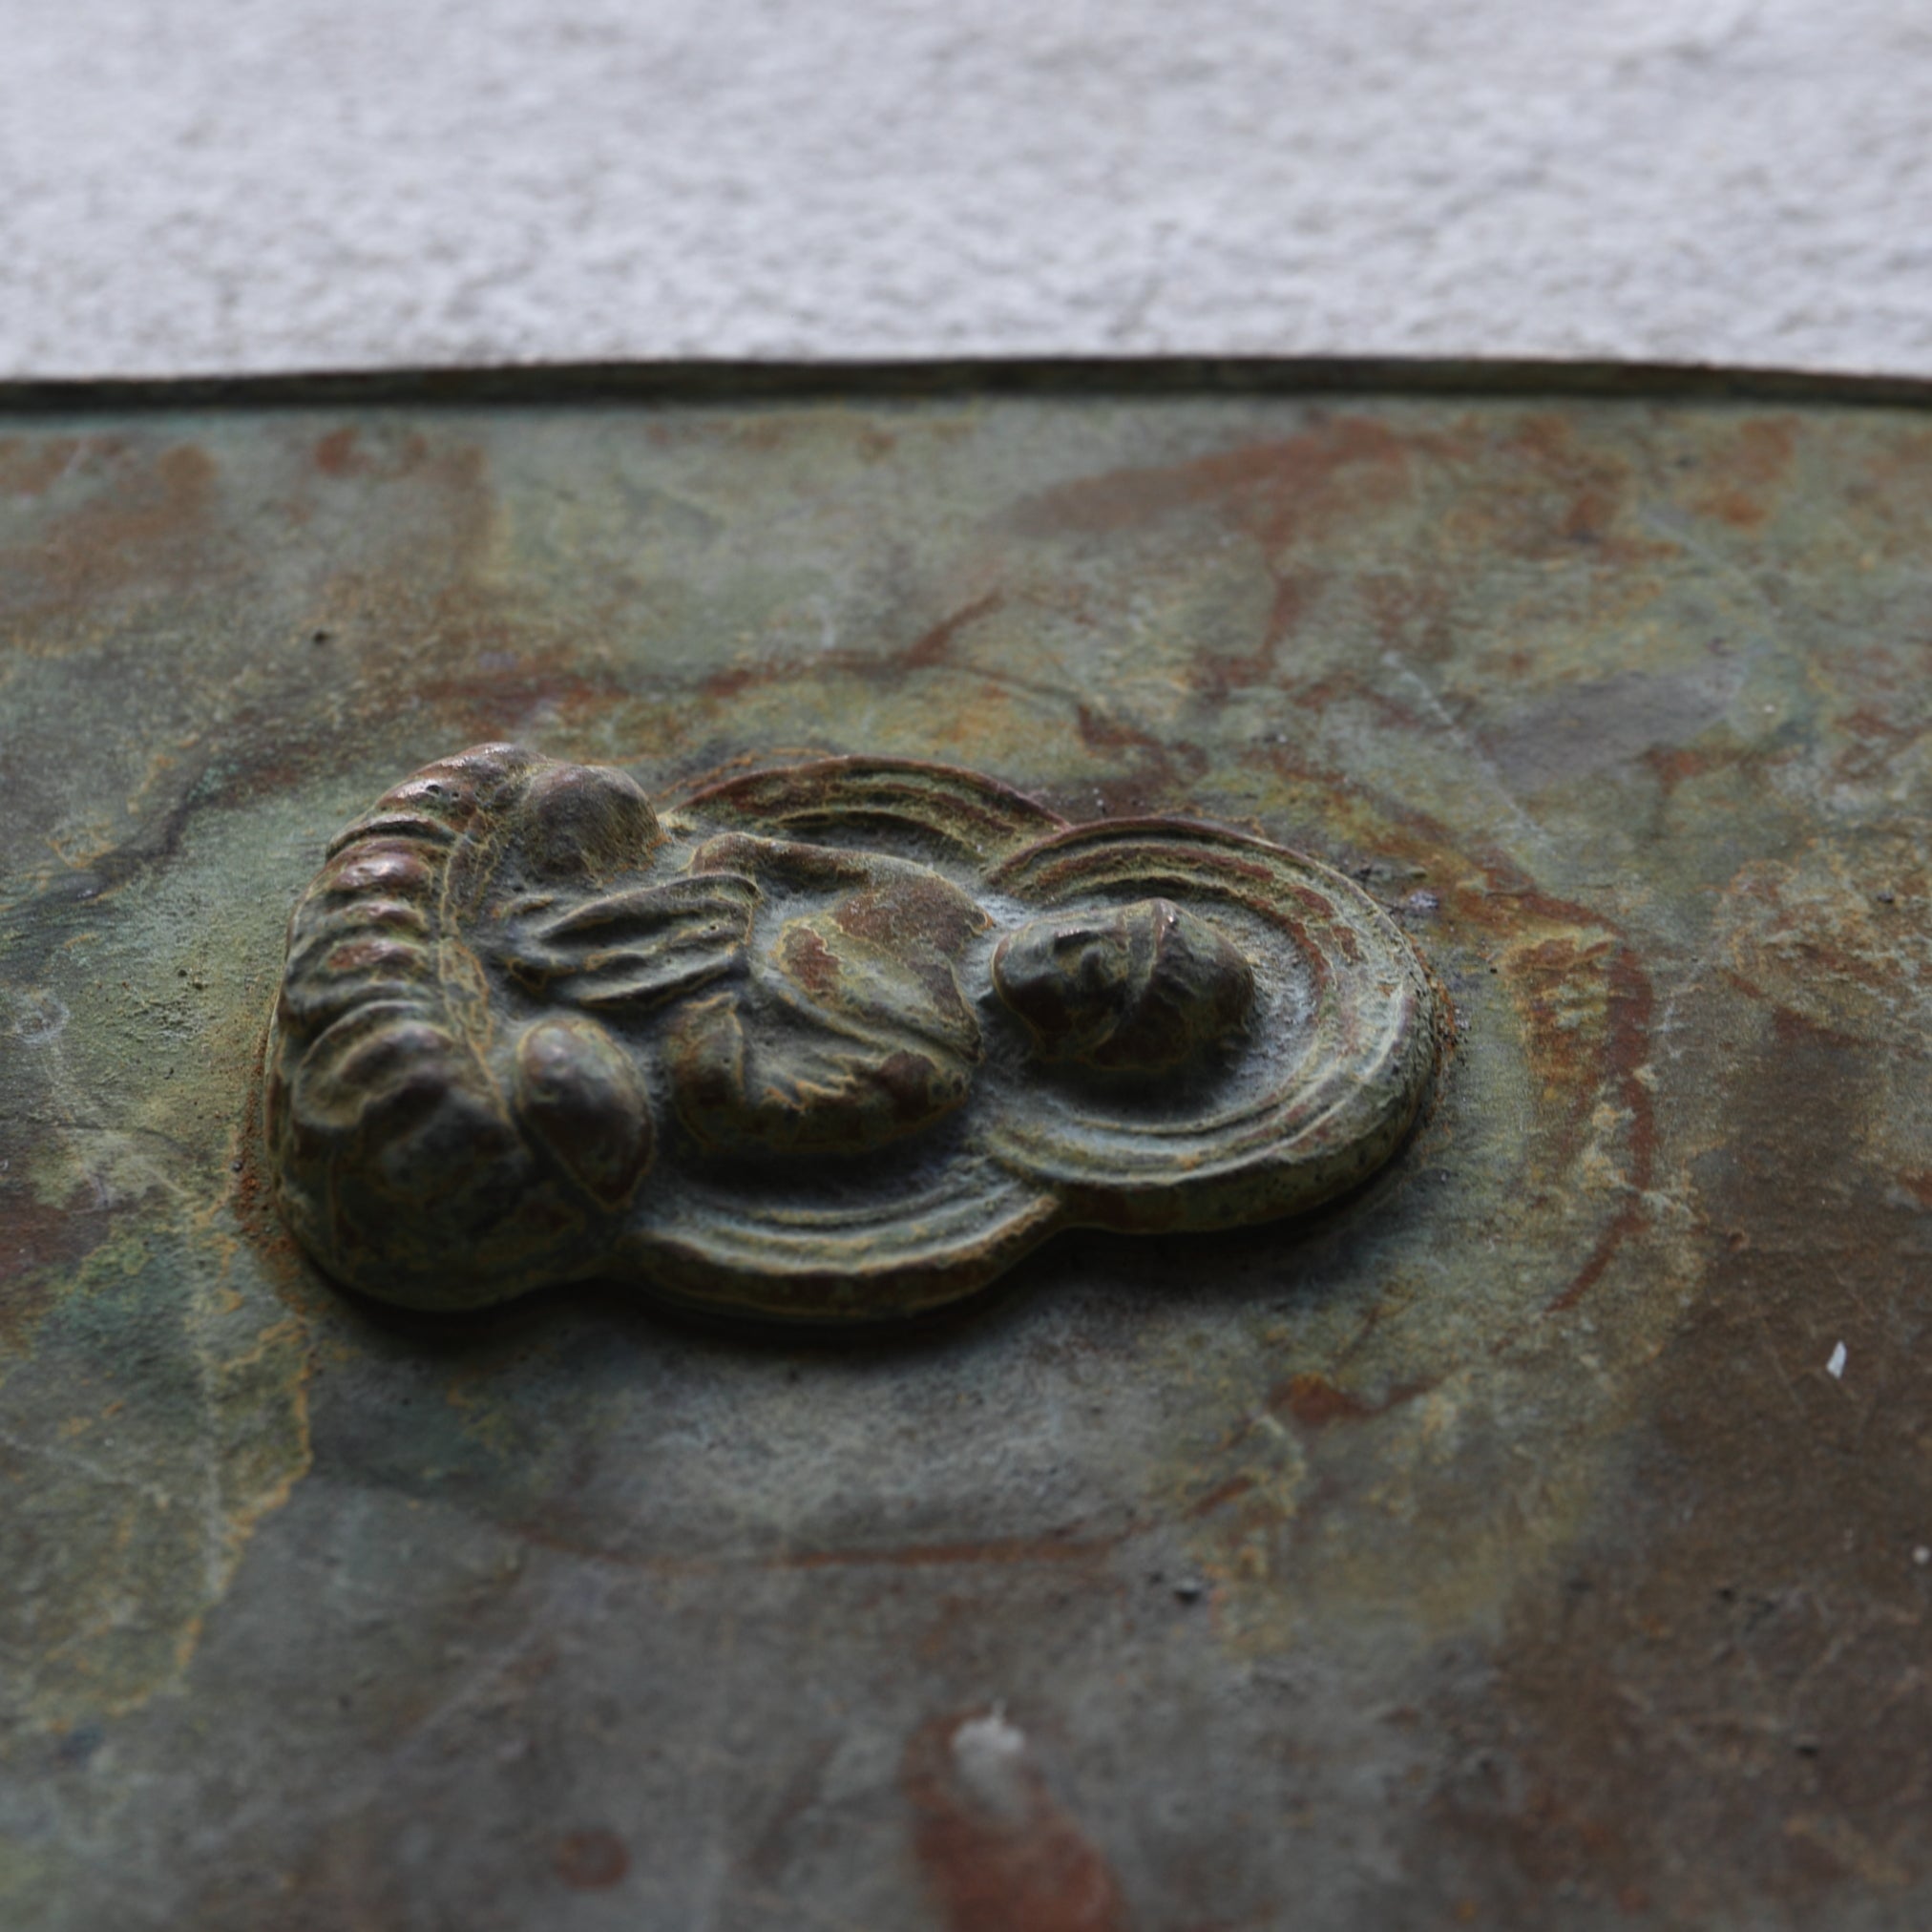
{"type": "Point", "coordinates": [299, 184]}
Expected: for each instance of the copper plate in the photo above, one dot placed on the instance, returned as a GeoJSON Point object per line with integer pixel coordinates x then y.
{"type": "Point", "coordinates": [1540, 1535]}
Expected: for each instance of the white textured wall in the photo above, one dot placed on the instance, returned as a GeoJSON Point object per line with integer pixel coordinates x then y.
{"type": "Point", "coordinates": [261, 185]}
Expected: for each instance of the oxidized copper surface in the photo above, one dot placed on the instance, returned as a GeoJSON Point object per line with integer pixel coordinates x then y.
{"type": "Point", "coordinates": [1539, 1533]}
{"type": "Point", "coordinates": [836, 1042]}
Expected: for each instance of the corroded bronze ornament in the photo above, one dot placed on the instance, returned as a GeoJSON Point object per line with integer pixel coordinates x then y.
{"type": "Point", "coordinates": [838, 1040]}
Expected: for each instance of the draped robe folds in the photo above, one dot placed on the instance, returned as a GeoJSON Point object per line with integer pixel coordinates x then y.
{"type": "Point", "coordinates": [814, 996]}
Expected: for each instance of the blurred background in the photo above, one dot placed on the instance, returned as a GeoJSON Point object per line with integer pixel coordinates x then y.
{"type": "Point", "coordinates": [326, 183]}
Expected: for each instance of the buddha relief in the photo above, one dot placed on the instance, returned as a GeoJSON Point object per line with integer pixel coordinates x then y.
{"type": "Point", "coordinates": [834, 1042]}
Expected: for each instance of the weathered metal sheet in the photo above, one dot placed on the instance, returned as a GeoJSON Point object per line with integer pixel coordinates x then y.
{"type": "Point", "coordinates": [1541, 1535]}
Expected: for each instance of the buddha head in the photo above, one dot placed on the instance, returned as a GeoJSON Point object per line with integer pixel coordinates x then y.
{"type": "Point", "coordinates": [1142, 988]}
{"type": "Point", "coordinates": [581, 824]}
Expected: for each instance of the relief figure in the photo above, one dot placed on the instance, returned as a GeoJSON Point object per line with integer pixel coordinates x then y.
{"type": "Point", "coordinates": [838, 1040]}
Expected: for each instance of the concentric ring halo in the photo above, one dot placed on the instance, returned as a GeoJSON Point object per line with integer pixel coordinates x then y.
{"type": "Point", "coordinates": [1320, 1091]}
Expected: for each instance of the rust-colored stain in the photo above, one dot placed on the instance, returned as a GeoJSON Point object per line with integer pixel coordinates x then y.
{"type": "Point", "coordinates": [1278, 489]}
{"type": "Point", "coordinates": [30, 465]}
{"type": "Point", "coordinates": [1537, 1533]}
{"type": "Point", "coordinates": [141, 527]}
{"type": "Point", "coordinates": [591, 1860]}
{"type": "Point", "coordinates": [1740, 480]}
{"type": "Point", "coordinates": [1314, 1401]}
{"type": "Point", "coordinates": [999, 1851]}
{"type": "Point", "coordinates": [1777, 1616]}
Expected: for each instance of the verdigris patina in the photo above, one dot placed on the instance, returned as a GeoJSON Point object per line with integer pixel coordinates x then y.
{"type": "Point", "coordinates": [838, 1040]}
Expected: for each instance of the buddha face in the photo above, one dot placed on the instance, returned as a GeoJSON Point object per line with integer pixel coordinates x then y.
{"type": "Point", "coordinates": [1139, 989]}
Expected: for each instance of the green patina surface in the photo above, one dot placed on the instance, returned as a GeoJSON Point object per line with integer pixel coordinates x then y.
{"type": "Point", "coordinates": [1495, 1548]}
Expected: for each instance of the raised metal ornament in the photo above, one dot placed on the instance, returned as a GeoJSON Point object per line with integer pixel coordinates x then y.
{"type": "Point", "coordinates": [838, 1040]}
